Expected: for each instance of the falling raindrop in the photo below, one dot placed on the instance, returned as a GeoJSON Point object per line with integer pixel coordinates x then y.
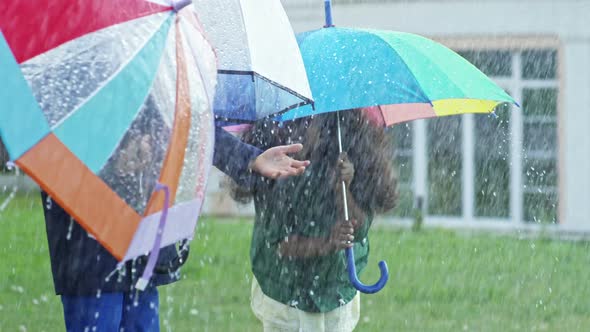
{"type": "Point", "coordinates": [17, 289]}
{"type": "Point", "coordinates": [70, 227]}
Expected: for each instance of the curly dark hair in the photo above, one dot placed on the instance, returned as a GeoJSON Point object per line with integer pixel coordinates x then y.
{"type": "Point", "coordinates": [369, 148]}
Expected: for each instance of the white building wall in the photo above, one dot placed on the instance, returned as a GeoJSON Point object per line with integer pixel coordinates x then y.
{"type": "Point", "coordinates": [575, 133]}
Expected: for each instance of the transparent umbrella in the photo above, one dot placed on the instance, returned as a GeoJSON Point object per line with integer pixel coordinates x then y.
{"type": "Point", "coordinates": [106, 102]}
{"type": "Point", "coordinates": [260, 72]}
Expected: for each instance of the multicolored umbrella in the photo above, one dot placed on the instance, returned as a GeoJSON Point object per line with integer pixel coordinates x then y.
{"type": "Point", "coordinates": [396, 76]}
{"type": "Point", "coordinates": [408, 76]}
{"type": "Point", "coordinates": [102, 100]}
{"type": "Point", "coordinates": [259, 60]}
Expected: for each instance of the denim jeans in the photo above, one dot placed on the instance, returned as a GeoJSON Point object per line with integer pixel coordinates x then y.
{"type": "Point", "coordinates": [112, 312]}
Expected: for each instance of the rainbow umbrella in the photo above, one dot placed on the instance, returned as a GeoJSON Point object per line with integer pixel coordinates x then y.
{"type": "Point", "coordinates": [396, 77]}
{"type": "Point", "coordinates": [259, 60]}
{"type": "Point", "coordinates": [103, 102]}
{"type": "Point", "coordinates": [408, 76]}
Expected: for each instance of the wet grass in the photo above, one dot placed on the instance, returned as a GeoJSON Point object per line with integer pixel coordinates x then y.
{"type": "Point", "coordinates": [440, 281]}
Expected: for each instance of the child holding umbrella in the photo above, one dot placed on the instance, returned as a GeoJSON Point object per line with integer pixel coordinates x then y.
{"type": "Point", "coordinates": [301, 283]}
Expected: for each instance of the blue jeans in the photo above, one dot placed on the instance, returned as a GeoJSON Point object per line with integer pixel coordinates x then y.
{"type": "Point", "coordinates": [113, 312]}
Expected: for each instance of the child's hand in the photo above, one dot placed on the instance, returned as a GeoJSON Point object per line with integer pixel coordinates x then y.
{"type": "Point", "coordinates": [275, 163]}
{"type": "Point", "coordinates": [341, 236]}
{"type": "Point", "coordinates": [345, 169]}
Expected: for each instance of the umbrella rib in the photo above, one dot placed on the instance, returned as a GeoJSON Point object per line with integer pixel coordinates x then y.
{"type": "Point", "coordinates": [437, 66]}
{"type": "Point", "coordinates": [304, 100]}
{"type": "Point", "coordinates": [266, 79]}
{"type": "Point", "coordinates": [280, 86]}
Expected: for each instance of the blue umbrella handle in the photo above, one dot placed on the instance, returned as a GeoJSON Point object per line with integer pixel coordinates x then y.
{"type": "Point", "coordinates": [354, 280]}
{"type": "Point", "coordinates": [367, 289]}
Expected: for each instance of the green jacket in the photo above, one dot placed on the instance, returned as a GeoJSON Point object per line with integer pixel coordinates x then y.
{"type": "Point", "coordinates": [302, 206]}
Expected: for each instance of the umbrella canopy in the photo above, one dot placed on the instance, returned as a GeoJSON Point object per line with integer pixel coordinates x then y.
{"type": "Point", "coordinates": [261, 72]}
{"type": "Point", "coordinates": [103, 99]}
{"type": "Point", "coordinates": [410, 77]}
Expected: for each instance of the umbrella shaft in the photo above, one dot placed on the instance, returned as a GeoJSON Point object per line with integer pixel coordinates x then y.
{"type": "Point", "coordinates": [340, 150]}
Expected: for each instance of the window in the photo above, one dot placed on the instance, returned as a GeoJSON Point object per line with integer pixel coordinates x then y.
{"type": "Point", "coordinates": [531, 76]}
{"type": "Point", "coordinates": [492, 63]}
{"type": "Point", "coordinates": [489, 167]}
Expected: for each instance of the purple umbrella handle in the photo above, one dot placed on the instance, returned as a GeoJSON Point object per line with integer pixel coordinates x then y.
{"type": "Point", "coordinates": [355, 280]}
{"type": "Point", "coordinates": [153, 258]}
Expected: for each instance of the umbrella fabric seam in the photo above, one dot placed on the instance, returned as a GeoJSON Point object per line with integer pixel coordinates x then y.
{"type": "Point", "coordinates": [441, 71]}
{"type": "Point", "coordinates": [142, 49]}
{"type": "Point", "coordinates": [180, 132]}
{"type": "Point", "coordinates": [406, 65]}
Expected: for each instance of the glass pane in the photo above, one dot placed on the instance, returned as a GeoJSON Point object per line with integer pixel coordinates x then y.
{"type": "Point", "coordinates": [540, 137]}
{"type": "Point", "coordinates": [492, 134]}
{"type": "Point", "coordinates": [492, 164]}
{"type": "Point", "coordinates": [444, 166]}
{"type": "Point", "coordinates": [539, 102]}
{"type": "Point", "coordinates": [402, 136]}
{"type": "Point", "coordinates": [492, 188]}
{"type": "Point", "coordinates": [404, 166]}
{"type": "Point", "coordinates": [539, 64]}
{"type": "Point", "coordinates": [540, 173]}
{"type": "Point", "coordinates": [540, 207]}
{"type": "Point", "coordinates": [403, 152]}
{"type": "Point", "coordinates": [405, 202]}
{"type": "Point", "coordinates": [492, 63]}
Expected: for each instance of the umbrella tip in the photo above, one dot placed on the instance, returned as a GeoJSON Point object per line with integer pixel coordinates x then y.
{"type": "Point", "coordinates": [177, 5]}
{"type": "Point", "coordinates": [328, 13]}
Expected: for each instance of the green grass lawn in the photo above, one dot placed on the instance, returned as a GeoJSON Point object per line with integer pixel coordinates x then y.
{"type": "Point", "coordinates": [440, 281]}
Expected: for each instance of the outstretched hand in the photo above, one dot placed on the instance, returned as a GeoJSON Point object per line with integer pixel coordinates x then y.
{"type": "Point", "coordinates": [275, 163]}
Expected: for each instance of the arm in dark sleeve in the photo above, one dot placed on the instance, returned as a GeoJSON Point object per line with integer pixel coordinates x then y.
{"type": "Point", "coordinates": [233, 157]}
